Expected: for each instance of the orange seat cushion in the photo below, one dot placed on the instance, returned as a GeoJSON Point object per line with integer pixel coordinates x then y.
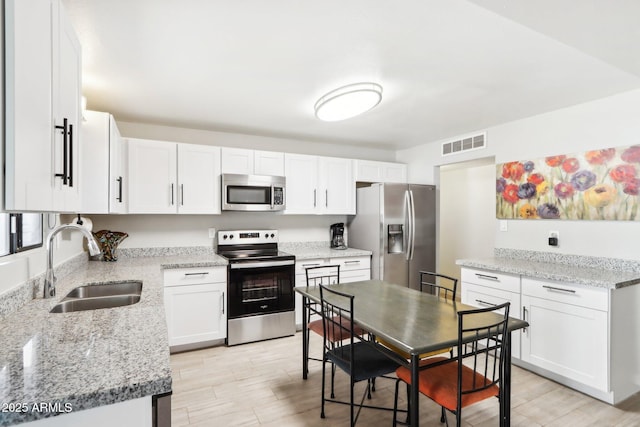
{"type": "Point", "coordinates": [440, 383]}
{"type": "Point", "coordinates": [335, 334]}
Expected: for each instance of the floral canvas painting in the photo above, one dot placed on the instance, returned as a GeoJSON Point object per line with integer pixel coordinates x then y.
{"type": "Point", "coordinates": [595, 185]}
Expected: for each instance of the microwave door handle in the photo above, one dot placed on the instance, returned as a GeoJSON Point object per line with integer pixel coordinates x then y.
{"type": "Point", "coordinates": [272, 196]}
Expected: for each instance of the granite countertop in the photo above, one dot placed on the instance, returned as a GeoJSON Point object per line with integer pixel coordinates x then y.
{"type": "Point", "coordinates": [90, 358]}
{"type": "Point", "coordinates": [311, 250]}
{"type": "Point", "coordinates": [602, 277]}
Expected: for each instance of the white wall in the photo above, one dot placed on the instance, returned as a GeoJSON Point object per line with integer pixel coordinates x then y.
{"type": "Point", "coordinates": [225, 139]}
{"type": "Point", "coordinates": [146, 231]}
{"type": "Point", "coordinates": [608, 122]}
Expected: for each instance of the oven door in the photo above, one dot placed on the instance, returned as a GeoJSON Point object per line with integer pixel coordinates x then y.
{"type": "Point", "coordinates": [252, 192]}
{"type": "Point", "coordinates": [260, 287]}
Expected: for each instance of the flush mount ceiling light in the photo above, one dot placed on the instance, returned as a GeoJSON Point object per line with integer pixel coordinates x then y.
{"type": "Point", "coordinates": [348, 101]}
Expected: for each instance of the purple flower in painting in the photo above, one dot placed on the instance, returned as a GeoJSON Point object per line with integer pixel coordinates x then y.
{"type": "Point", "coordinates": [631, 187]}
{"type": "Point", "coordinates": [526, 190]}
{"type": "Point", "coordinates": [500, 184]}
{"type": "Point", "coordinates": [632, 154]}
{"type": "Point", "coordinates": [528, 166]}
{"type": "Point", "coordinates": [583, 180]}
{"type": "Point", "coordinates": [563, 190]}
{"type": "Point", "coordinates": [548, 211]}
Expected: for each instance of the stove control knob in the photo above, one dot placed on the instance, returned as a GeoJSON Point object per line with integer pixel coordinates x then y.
{"type": "Point", "coordinates": [224, 237]}
{"type": "Point", "coordinates": [266, 236]}
{"type": "Point", "coordinates": [273, 235]}
{"type": "Point", "coordinates": [231, 236]}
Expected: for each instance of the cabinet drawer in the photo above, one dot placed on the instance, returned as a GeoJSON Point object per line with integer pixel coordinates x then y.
{"type": "Point", "coordinates": [492, 279]}
{"type": "Point", "coordinates": [352, 263]}
{"type": "Point", "coordinates": [303, 264]}
{"type": "Point", "coordinates": [482, 296]}
{"type": "Point", "coordinates": [194, 276]}
{"type": "Point", "coordinates": [568, 293]}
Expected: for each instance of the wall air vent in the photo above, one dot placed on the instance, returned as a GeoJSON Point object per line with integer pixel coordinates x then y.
{"type": "Point", "coordinates": [465, 143]}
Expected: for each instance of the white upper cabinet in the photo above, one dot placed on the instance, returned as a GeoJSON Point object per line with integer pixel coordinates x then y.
{"type": "Point", "coordinates": [198, 179]}
{"type": "Point", "coordinates": [252, 162]}
{"type": "Point", "coordinates": [319, 185]}
{"type": "Point", "coordinates": [374, 171]}
{"type": "Point", "coordinates": [104, 165]}
{"type": "Point", "coordinates": [43, 86]}
{"type": "Point", "coordinates": [168, 177]}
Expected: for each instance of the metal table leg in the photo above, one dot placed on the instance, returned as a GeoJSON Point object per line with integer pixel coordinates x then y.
{"type": "Point", "coordinates": [305, 343]}
{"type": "Point", "coordinates": [414, 413]}
{"type": "Point", "coordinates": [505, 399]}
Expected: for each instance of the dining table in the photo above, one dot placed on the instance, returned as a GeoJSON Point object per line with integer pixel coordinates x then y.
{"type": "Point", "coordinates": [412, 321]}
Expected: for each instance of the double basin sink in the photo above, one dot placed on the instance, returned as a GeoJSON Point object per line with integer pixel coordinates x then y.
{"type": "Point", "coordinates": [93, 297]}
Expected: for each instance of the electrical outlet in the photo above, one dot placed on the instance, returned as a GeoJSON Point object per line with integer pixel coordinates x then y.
{"type": "Point", "coordinates": [212, 233]}
{"type": "Point", "coordinates": [504, 225]}
{"type": "Point", "coordinates": [554, 238]}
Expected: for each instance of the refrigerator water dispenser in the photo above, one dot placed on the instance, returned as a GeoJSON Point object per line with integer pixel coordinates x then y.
{"type": "Point", "coordinates": [395, 239]}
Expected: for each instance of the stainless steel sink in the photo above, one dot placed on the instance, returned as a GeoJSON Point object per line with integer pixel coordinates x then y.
{"type": "Point", "coordinates": [94, 297]}
{"type": "Point", "coordinates": [81, 304]}
{"type": "Point", "coordinates": [106, 290]}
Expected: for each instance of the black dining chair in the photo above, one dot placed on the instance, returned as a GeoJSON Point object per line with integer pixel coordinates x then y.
{"type": "Point", "coordinates": [475, 373]}
{"type": "Point", "coordinates": [357, 356]}
{"type": "Point", "coordinates": [440, 285]}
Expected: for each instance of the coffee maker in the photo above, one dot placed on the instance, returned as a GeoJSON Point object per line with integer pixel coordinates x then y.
{"type": "Point", "coordinates": [336, 232]}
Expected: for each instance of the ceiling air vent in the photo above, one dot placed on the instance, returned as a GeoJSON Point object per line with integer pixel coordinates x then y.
{"type": "Point", "coordinates": [466, 143]}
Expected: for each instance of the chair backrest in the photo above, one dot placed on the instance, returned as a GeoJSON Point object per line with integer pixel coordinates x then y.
{"type": "Point", "coordinates": [482, 337]}
{"type": "Point", "coordinates": [337, 320]}
{"type": "Point", "coordinates": [323, 275]}
{"type": "Point", "coordinates": [438, 284]}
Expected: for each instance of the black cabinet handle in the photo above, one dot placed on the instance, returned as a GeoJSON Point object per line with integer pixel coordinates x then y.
{"type": "Point", "coordinates": [70, 155]}
{"type": "Point", "coordinates": [64, 174]}
{"type": "Point", "coordinates": [119, 198]}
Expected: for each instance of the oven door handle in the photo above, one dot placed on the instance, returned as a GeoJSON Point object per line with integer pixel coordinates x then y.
{"type": "Point", "coordinates": [261, 264]}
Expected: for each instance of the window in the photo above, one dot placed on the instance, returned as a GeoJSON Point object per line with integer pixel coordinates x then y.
{"type": "Point", "coordinates": [20, 232]}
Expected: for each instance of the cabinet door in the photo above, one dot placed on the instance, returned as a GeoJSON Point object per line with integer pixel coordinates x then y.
{"type": "Point", "coordinates": [95, 162]}
{"type": "Point", "coordinates": [152, 176]}
{"type": "Point", "coordinates": [118, 177]}
{"type": "Point", "coordinates": [302, 195]}
{"type": "Point", "coordinates": [337, 186]}
{"type": "Point", "coordinates": [237, 160]}
{"type": "Point", "coordinates": [198, 179]}
{"type": "Point", "coordinates": [394, 172]}
{"type": "Point", "coordinates": [195, 313]}
{"type": "Point", "coordinates": [28, 116]}
{"type": "Point", "coordinates": [67, 92]}
{"type": "Point", "coordinates": [566, 339]}
{"type": "Point", "coordinates": [268, 163]}
{"type": "Point", "coordinates": [482, 297]}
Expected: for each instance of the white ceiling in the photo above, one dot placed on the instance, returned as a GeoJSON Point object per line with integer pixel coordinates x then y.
{"type": "Point", "coordinates": [448, 67]}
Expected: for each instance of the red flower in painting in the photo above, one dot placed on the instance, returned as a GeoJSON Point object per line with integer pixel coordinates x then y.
{"type": "Point", "coordinates": [631, 187]}
{"type": "Point", "coordinates": [570, 165]}
{"type": "Point", "coordinates": [623, 173]}
{"type": "Point", "coordinates": [598, 157]}
{"type": "Point", "coordinates": [510, 193]}
{"type": "Point", "coordinates": [535, 178]}
{"type": "Point", "coordinates": [564, 190]}
{"type": "Point", "coordinates": [513, 170]}
{"type": "Point", "coordinates": [631, 154]}
{"type": "Point", "coordinates": [554, 161]}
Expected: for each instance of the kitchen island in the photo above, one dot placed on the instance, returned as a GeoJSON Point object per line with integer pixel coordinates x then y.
{"type": "Point", "coordinates": [65, 365]}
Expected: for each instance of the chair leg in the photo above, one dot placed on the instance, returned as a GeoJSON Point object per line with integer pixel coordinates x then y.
{"type": "Point", "coordinates": [373, 384]}
{"type": "Point", "coordinates": [395, 404]}
{"type": "Point", "coordinates": [333, 376]}
{"type": "Point", "coordinates": [323, 381]}
{"type": "Point", "coordinates": [369, 382]}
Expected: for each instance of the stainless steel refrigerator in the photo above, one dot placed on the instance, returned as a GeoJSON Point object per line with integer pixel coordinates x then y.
{"type": "Point", "coordinates": [397, 222]}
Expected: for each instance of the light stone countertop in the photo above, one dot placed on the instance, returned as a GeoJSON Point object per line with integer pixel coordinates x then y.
{"type": "Point", "coordinates": [570, 273]}
{"type": "Point", "coordinates": [312, 250]}
{"type": "Point", "coordinates": [90, 358]}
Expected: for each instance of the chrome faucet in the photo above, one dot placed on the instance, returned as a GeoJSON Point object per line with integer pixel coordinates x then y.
{"type": "Point", "coordinates": [49, 277]}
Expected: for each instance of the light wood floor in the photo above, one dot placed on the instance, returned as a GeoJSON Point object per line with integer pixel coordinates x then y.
{"type": "Point", "coordinates": [260, 384]}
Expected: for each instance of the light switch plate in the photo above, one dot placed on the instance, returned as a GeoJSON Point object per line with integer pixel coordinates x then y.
{"type": "Point", "coordinates": [212, 233]}
{"type": "Point", "coordinates": [504, 225]}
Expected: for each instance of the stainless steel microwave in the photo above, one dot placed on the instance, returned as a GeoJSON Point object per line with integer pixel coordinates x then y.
{"type": "Point", "coordinates": [252, 192]}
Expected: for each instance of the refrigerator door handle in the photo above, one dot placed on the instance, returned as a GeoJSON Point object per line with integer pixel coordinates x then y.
{"type": "Point", "coordinates": [408, 221]}
{"type": "Point", "coordinates": [412, 221]}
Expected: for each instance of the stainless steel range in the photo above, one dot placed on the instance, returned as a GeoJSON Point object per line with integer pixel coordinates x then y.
{"type": "Point", "coordinates": [260, 285]}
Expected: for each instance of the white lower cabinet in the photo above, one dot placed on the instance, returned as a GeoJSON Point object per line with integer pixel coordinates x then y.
{"type": "Point", "coordinates": [352, 269]}
{"type": "Point", "coordinates": [568, 333]}
{"type": "Point", "coordinates": [195, 305]}
{"type": "Point", "coordinates": [486, 289]}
